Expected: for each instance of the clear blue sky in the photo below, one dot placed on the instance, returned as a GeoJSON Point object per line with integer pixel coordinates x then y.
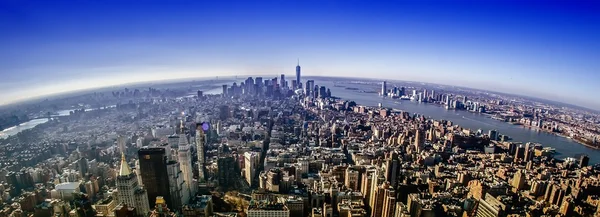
{"type": "Point", "coordinates": [548, 49]}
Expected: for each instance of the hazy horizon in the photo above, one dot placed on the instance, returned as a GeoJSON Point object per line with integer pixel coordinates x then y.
{"type": "Point", "coordinates": [548, 51]}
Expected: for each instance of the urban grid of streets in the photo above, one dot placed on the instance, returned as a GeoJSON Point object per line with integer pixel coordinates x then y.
{"type": "Point", "coordinates": [267, 149]}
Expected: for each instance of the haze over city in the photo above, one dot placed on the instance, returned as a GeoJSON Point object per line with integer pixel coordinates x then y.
{"type": "Point", "coordinates": [547, 50]}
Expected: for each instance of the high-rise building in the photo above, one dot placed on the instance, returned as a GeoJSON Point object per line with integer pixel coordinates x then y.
{"type": "Point", "coordinates": [584, 160]}
{"type": "Point", "coordinates": [226, 171]}
{"type": "Point", "coordinates": [389, 202]}
{"type": "Point", "coordinates": [490, 206]}
{"type": "Point", "coordinates": [130, 192]}
{"type": "Point", "coordinates": [520, 153]}
{"type": "Point", "coordinates": [528, 152]}
{"type": "Point", "coordinates": [282, 81]}
{"type": "Point", "coordinates": [298, 75]}
{"type": "Point", "coordinates": [493, 134]}
{"type": "Point", "coordinates": [177, 188]}
{"type": "Point", "coordinates": [419, 140]}
{"type": "Point", "coordinates": [391, 168]}
{"type": "Point", "coordinates": [153, 167]}
{"type": "Point", "coordinates": [200, 143]}
{"type": "Point", "coordinates": [519, 181]}
{"type": "Point", "coordinates": [251, 162]}
{"type": "Point", "coordinates": [224, 90]}
{"type": "Point", "coordinates": [185, 160]}
{"type": "Point", "coordinates": [384, 88]}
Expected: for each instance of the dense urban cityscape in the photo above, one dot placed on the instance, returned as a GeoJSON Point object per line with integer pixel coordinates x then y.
{"type": "Point", "coordinates": [273, 147]}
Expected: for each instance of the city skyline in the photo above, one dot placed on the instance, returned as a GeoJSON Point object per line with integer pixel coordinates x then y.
{"type": "Point", "coordinates": [544, 51]}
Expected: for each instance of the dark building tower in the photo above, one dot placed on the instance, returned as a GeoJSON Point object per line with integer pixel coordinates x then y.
{"type": "Point", "coordinates": [153, 168]}
{"type": "Point", "coordinates": [391, 168]}
{"type": "Point", "coordinates": [282, 81]}
{"type": "Point", "coordinates": [82, 166]}
{"type": "Point", "coordinates": [322, 92]}
{"type": "Point", "coordinates": [584, 161]}
{"type": "Point", "coordinates": [384, 88]}
{"type": "Point", "coordinates": [226, 171]}
{"type": "Point", "coordinates": [298, 75]}
{"type": "Point", "coordinates": [224, 90]}
{"type": "Point", "coordinates": [223, 112]}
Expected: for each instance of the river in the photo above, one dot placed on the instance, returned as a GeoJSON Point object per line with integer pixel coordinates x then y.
{"type": "Point", "coordinates": [32, 123]}
{"type": "Point", "coordinates": [564, 147]}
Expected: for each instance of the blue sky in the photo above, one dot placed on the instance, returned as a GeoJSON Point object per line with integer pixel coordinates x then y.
{"type": "Point", "coordinates": [548, 49]}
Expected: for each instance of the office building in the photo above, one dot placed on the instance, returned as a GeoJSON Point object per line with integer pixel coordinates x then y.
{"type": "Point", "coordinates": [251, 162]}
{"type": "Point", "coordinates": [519, 181]}
{"type": "Point", "coordinates": [177, 186]}
{"type": "Point", "coordinates": [226, 171]}
{"type": "Point", "coordinates": [584, 160]}
{"type": "Point", "coordinates": [267, 208]}
{"type": "Point", "coordinates": [384, 88]}
{"type": "Point", "coordinates": [185, 161]}
{"type": "Point", "coordinates": [153, 167]}
{"type": "Point", "coordinates": [490, 207]}
{"type": "Point", "coordinates": [130, 192]}
{"type": "Point", "coordinates": [298, 75]}
{"type": "Point", "coordinates": [200, 144]}
{"type": "Point", "coordinates": [224, 90]}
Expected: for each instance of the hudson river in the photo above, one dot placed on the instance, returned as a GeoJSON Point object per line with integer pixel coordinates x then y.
{"type": "Point", "coordinates": [564, 147]}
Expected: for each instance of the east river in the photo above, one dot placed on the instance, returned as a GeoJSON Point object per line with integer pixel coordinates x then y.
{"type": "Point", "coordinates": [564, 147]}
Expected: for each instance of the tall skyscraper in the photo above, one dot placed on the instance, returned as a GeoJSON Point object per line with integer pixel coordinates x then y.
{"type": "Point", "coordinates": [282, 81]}
{"type": "Point", "coordinates": [185, 161]}
{"type": "Point", "coordinates": [224, 90]}
{"type": "Point", "coordinates": [419, 140]}
{"type": "Point", "coordinates": [177, 186]}
{"type": "Point", "coordinates": [584, 160]}
{"type": "Point", "coordinates": [153, 166]}
{"type": "Point", "coordinates": [130, 192]}
{"type": "Point", "coordinates": [200, 143]}
{"type": "Point", "coordinates": [384, 88]}
{"type": "Point", "coordinates": [298, 81]}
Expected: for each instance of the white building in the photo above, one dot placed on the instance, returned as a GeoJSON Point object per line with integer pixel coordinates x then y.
{"type": "Point", "coordinates": [185, 161]}
{"type": "Point", "coordinates": [177, 185]}
{"type": "Point", "coordinates": [129, 190]}
{"type": "Point", "coordinates": [251, 161]}
{"type": "Point", "coordinates": [66, 190]}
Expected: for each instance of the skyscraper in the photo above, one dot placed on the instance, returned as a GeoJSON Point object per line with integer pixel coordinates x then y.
{"type": "Point", "coordinates": [384, 88]}
{"type": "Point", "coordinates": [185, 160]}
{"type": "Point", "coordinates": [584, 160]}
{"type": "Point", "coordinates": [251, 161]}
{"type": "Point", "coordinates": [200, 143]}
{"type": "Point", "coordinates": [176, 185]}
{"type": "Point", "coordinates": [130, 192]}
{"type": "Point", "coordinates": [298, 81]}
{"type": "Point", "coordinates": [282, 81]}
{"type": "Point", "coordinates": [153, 166]}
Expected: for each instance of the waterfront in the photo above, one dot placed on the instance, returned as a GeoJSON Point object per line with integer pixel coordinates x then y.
{"type": "Point", "coordinates": [32, 123]}
{"type": "Point", "coordinates": [24, 126]}
{"type": "Point", "coordinates": [564, 147]}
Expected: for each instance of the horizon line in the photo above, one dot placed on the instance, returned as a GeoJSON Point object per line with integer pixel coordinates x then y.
{"type": "Point", "coordinates": [56, 94]}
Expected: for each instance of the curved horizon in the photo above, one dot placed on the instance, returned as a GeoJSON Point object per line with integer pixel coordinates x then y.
{"type": "Point", "coordinates": [547, 51]}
